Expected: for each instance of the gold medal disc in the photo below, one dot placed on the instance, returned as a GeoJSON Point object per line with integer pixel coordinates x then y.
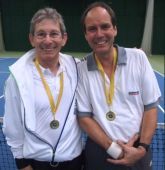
{"type": "Point", "coordinates": [110, 116]}
{"type": "Point", "coordinates": [54, 124]}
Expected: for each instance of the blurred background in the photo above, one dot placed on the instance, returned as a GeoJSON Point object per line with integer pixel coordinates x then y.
{"type": "Point", "coordinates": [141, 23]}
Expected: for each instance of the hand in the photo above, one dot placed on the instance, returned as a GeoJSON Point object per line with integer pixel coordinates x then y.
{"type": "Point", "coordinates": [130, 153]}
{"type": "Point", "coordinates": [27, 168]}
{"type": "Point", "coordinates": [129, 143]}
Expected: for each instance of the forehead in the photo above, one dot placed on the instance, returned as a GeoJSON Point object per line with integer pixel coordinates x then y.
{"type": "Point", "coordinates": [47, 24]}
{"type": "Point", "coordinates": [97, 15]}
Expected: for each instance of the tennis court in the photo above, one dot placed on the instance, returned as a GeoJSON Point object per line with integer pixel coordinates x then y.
{"type": "Point", "coordinates": [158, 143]}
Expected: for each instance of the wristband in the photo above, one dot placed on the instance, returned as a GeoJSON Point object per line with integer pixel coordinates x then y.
{"type": "Point", "coordinates": [144, 145]}
{"type": "Point", "coordinates": [114, 150]}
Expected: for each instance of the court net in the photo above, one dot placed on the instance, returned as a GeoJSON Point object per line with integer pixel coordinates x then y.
{"type": "Point", "coordinates": [6, 159]}
{"type": "Point", "coordinates": [157, 146]}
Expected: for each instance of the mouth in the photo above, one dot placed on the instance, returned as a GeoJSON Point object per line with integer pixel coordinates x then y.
{"type": "Point", "coordinates": [100, 42]}
{"type": "Point", "coordinates": [47, 48]}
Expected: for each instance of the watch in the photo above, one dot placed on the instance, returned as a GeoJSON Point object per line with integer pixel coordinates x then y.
{"type": "Point", "coordinates": [144, 145]}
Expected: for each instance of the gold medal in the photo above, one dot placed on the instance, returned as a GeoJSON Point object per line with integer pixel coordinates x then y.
{"type": "Point", "coordinates": [110, 116]}
{"type": "Point", "coordinates": [54, 124]}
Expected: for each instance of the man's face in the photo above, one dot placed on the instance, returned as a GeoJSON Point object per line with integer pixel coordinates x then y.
{"type": "Point", "coordinates": [47, 39]}
{"type": "Point", "coordinates": [100, 32]}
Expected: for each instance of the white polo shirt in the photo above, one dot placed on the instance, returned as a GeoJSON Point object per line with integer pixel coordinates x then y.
{"type": "Point", "coordinates": [136, 90]}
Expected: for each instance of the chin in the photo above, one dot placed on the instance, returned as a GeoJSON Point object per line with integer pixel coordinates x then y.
{"type": "Point", "coordinates": [50, 54]}
{"type": "Point", "coordinates": [101, 51]}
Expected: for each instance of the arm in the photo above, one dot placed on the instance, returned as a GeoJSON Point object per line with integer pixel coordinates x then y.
{"type": "Point", "coordinates": [85, 116]}
{"type": "Point", "coordinates": [27, 168]}
{"type": "Point", "coordinates": [95, 132]}
{"type": "Point", "coordinates": [150, 96]}
{"type": "Point", "coordinates": [23, 164]}
{"type": "Point", "coordinates": [149, 124]}
{"type": "Point", "coordinates": [132, 154]}
{"type": "Point", "coordinates": [12, 125]}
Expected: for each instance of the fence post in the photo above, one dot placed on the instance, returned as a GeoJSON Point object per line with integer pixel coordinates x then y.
{"type": "Point", "coordinates": [2, 47]}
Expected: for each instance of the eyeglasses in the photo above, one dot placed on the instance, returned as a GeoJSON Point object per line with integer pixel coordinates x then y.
{"type": "Point", "coordinates": [42, 35]}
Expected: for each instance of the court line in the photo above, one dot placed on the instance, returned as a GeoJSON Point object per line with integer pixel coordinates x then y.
{"type": "Point", "coordinates": [1, 96]}
{"type": "Point", "coordinates": [1, 119]}
{"type": "Point", "coordinates": [3, 58]}
{"type": "Point", "coordinates": [4, 72]}
{"type": "Point", "coordinates": [159, 73]}
{"type": "Point", "coordinates": [161, 108]}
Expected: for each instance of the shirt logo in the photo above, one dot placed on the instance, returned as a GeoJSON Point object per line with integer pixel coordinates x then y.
{"type": "Point", "coordinates": [133, 93]}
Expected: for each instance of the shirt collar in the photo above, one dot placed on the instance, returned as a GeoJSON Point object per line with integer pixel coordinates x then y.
{"type": "Point", "coordinates": [46, 71]}
{"type": "Point", "coordinates": [122, 59]}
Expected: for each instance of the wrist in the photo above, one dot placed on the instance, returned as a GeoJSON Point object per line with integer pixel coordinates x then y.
{"type": "Point", "coordinates": [144, 146]}
{"type": "Point", "coordinates": [114, 150]}
{"type": "Point", "coordinates": [22, 162]}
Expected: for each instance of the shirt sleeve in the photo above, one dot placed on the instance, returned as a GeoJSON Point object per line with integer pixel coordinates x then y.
{"type": "Point", "coordinates": [150, 88]}
{"type": "Point", "coordinates": [83, 94]}
{"type": "Point", "coordinates": [12, 121]}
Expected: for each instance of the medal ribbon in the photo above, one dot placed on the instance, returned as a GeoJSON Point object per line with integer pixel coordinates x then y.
{"type": "Point", "coordinates": [47, 89]}
{"type": "Point", "coordinates": [109, 94]}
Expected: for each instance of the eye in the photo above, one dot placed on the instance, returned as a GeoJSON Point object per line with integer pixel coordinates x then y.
{"type": "Point", "coordinates": [40, 35]}
{"type": "Point", "coordinates": [55, 34]}
{"type": "Point", "coordinates": [91, 29]}
{"type": "Point", "coordinates": [106, 26]}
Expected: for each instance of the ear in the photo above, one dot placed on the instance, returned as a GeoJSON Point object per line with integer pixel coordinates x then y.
{"type": "Point", "coordinates": [64, 39]}
{"type": "Point", "coordinates": [31, 39]}
{"type": "Point", "coordinates": [86, 37]}
{"type": "Point", "coordinates": [115, 31]}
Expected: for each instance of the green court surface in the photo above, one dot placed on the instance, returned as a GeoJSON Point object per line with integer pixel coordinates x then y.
{"type": "Point", "coordinates": [157, 62]}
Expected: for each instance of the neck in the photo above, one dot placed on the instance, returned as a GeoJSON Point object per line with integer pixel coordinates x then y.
{"type": "Point", "coordinates": [53, 64]}
{"type": "Point", "coordinates": [107, 59]}
{"type": "Point", "coordinates": [109, 62]}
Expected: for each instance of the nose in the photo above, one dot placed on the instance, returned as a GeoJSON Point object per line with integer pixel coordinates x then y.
{"type": "Point", "coordinates": [47, 38]}
{"type": "Point", "coordinates": [99, 32]}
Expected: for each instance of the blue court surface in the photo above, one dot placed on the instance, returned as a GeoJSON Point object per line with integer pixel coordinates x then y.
{"type": "Point", "coordinates": [4, 73]}
{"type": "Point", "coordinates": [157, 146]}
